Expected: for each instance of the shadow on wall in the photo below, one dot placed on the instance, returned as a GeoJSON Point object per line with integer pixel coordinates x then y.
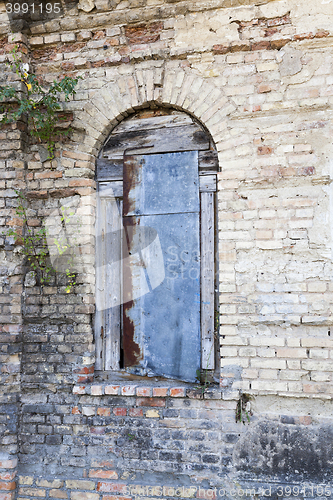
{"type": "Point", "coordinates": [286, 451]}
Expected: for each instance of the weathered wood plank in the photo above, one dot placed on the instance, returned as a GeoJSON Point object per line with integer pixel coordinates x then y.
{"type": "Point", "coordinates": [113, 284]}
{"type": "Point", "coordinates": [173, 120]}
{"type": "Point", "coordinates": [207, 281]}
{"type": "Point", "coordinates": [108, 277]}
{"type": "Point", "coordinates": [207, 183]}
{"type": "Point", "coordinates": [100, 285]}
{"type": "Point", "coordinates": [164, 140]}
{"type": "Point", "coordinates": [208, 160]}
{"type": "Point", "coordinates": [108, 169]}
{"type": "Point", "coordinates": [113, 189]}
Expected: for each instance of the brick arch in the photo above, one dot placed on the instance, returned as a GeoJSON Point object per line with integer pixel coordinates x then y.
{"type": "Point", "coordinates": [180, 88]}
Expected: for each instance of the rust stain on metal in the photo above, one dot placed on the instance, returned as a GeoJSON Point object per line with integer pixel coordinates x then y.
{"type": "Point", "coordinates": [132, 351]}
{"type": "Point", "coordinates": [129, 181]}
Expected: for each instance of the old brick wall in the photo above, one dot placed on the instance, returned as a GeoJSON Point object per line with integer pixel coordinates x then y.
{"type": "Point", "coordinates": [258, 75]}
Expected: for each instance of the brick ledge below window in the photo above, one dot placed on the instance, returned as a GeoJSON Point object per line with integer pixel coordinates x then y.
{"type": "Point", "coordinates": [155, 392]}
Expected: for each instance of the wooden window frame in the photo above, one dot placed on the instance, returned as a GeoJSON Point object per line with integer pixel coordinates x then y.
{"type": "Point", "coordinates": [109, 172]}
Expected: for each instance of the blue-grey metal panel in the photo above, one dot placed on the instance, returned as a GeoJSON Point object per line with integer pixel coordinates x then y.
{"type": "Point", "coordinates": [161, 183]}
{"type": "Point", "coordinates": [166, 321]}
{"type": "Point", "coordinates": [162, 327]}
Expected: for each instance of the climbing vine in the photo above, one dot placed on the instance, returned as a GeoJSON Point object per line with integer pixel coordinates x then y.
{"type": "Point", "coordinates": [40, 106]}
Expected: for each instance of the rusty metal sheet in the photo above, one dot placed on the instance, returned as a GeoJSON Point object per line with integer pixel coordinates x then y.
{"type": "Point", "coordinates": [161, 327]}
{"type": "Point", "coordinates": [161, 184]}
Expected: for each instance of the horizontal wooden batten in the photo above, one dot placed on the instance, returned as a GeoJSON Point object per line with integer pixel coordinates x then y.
{"type": "Point", "coordinates": [109, 169]}
{"type": "Point", "coordinates": [154, 122]}
{"type": "Point", "coordinates": [161, 140]}
{"type": "Point", "coordinates": [207, 183]}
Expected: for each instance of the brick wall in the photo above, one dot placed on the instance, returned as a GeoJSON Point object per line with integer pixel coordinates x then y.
{"type": "Point", "coordinates": [259, 77]}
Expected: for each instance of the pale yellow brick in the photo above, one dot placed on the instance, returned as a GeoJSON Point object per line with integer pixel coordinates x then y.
{"type": "Point", "coordinates": [152, 414]}
{"type": "Point", "coordinates": [293, 342]}
{"type": "Point", "coordinates": [250, 373]}
{"type": "Point", "coordinates": [315, 365]}
{"type": "Point", "coordinates": [270, 386]}
{"type": "Point", "coordinates": [317, 286]}
{"type": "Point", "coordinates": [78, 484]}
{"type": "Point", "coordinates": [267, 341]}
{"type": "Point", "coordinates": [319, 353]}
{"type": "Point", "coordinates": [279, 364]}
{"type": "Point", "coordinates": [247, 351]}
{"type": "Point", "coordinates": [294, 364]}
{"type": "Point", "coordinates": [289, 352]}
{"type": "Point", "coordinates": [228, 351]}
{"type": "Point", "coordinates": [295, 387]}
{"type": "Point", "coordinates": [242, 362]}
{"type": "Point", "coordinates": [228, 330]}
{"type": "Point", "coordinates": [26, 480]}
{"type": "Point", "coordinates": [268, 374]}
{"type": "Point", "coordinates": [56, 483]}
{"type": "Point", "coordinates": [76, 495]}
{"type": "Point", "coordinates": [266, 353]}
{"type": "Point", "coordinates": [293, 374]}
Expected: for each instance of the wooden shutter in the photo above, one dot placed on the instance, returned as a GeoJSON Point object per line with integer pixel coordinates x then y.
{"type": "Point", "coordinates": [162, 327]}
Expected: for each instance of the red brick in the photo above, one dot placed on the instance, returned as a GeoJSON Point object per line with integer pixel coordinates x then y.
{"type": "Point", "coordinates": [221, 49]}
{"type": "Point", "coordinates": [7, 496]}
{"type": "Point", "coordinates": [177, 392]}
{"type": "Point", "coordinates": [128, 390]}
{"type": "Point", "coordinates": [265, 150]}
{"type": "Point", "coordinates": [8, 486]}
{"type": "Point", "coordinates": [306, 420]}
{"type": "Point", "coordinates": [67, 66]}
{"type": "Point", "coordinates": [112, 389]}
{"type": "Point", "coordinates": [8, 464]}
{"type": "Point", "coordinates": [278, 44]}
{"type": "Point", "coordinates": [77, 156]}
{"type": "Point", "coordinates": [97, 430]}
{"type": "Point", "coordinates": [143, 391]}
{"type": "Point", "coordinates": [7, 476]}
{"type": "Point", "coordinates": [112, 487]}
{"type": "Point", "coordinates": [120, 412]}
{"type": "Point", "coordinates": [150, 402]}
{"type": "Point", "coordinates": [103, 474]}
{"type": "Point", "coordinates": [143, 33]}
{"type": "Point", "coordinates": [322, 34]}
{"type": "Point", "coordinates": [36, 194]}
{"type": "Point", "coordinates": [81, 183]}
{"type": "Point", "coordinates": [107, 464]}
{"type": "Point", "coordinates": [98, 35]}
{"type": "Point", "coordinates": [48, 175]}
{"type": "Point", "coordinates": [160, 392]}
{"type": "Point", "coordinates": [263, 45]}
{"type": "Point", "coordinates": [84, 369]}
{"type": "Point", "coordinates": [267, 87]}
{"type": "Point", "coordinates": [104, 412]}
{"type": "Point", "coordinates": [135, 412]}
{"type": "Point", "coordinates": [79, 389]}
{"type": "Point", "coordinates": [34, 222]}
{"type": "Point", "coordinates": [306, 171]}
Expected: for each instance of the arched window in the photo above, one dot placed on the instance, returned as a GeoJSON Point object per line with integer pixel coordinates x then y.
{"type": "Point", "coordinates": [156, 247]}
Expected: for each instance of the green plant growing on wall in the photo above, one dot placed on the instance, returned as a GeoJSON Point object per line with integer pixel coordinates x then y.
{"type": "Point", "coordinates": [243, 410]}
{"type": "Point", "coordinates": [33, 244]}
{"type": "Point", "coordinates": [64, 247]}
{"type": "Point", "coordinates": [39, 105]}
